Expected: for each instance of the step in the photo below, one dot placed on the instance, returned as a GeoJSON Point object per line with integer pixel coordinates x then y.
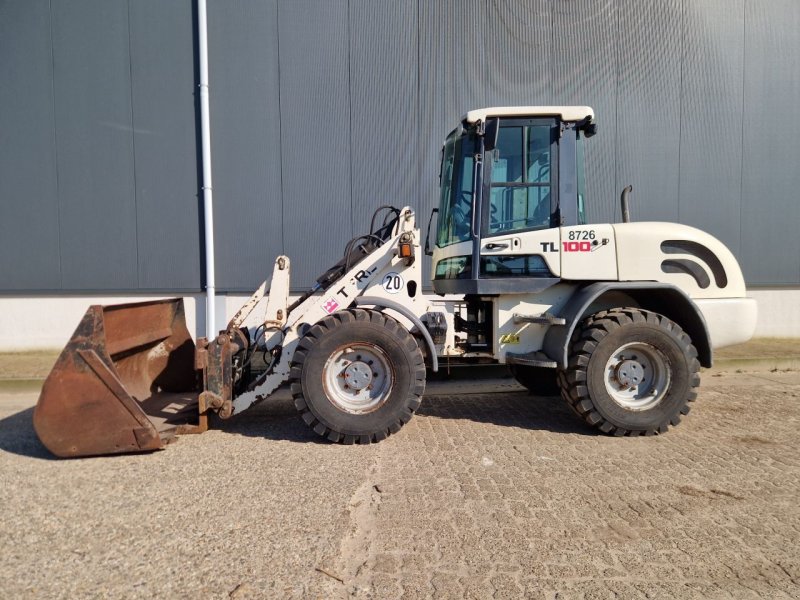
{"type": "Point", "coordinates": [531, 359]}
{"type": "Point", "coordinates": [543, 319]}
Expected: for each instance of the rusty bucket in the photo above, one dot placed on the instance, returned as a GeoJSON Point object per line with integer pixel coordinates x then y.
{"type": "Point", "coordinates": [125, 382]}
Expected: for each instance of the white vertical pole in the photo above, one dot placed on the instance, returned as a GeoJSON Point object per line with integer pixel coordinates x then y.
{"type": "Point", "coordinates": [208, 204]}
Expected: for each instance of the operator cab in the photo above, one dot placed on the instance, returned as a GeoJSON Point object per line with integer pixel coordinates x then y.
{"type": "Point", "coordinates": [510, 178]}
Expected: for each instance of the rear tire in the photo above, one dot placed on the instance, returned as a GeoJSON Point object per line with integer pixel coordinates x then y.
{"type": "Point", "coordinates": [540, 381]}
{"type": "Point", "coordinates": [631, 372]}
{"type": "Point", "coordinates": [357, 377]}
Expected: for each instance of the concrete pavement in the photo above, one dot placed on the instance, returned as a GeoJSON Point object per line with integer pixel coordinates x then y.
{"type": "Point", "coordinates": [487, 492]}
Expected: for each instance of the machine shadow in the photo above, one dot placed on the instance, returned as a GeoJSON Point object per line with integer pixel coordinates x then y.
{"type": "Point", "coordinates": [517, 409]}
{"type": "Point", "coordinates": [277, 419]}
{"type": "Point", "coordinates": [274, 419]}
{"type": "Point", "coordinates": [17, 436]}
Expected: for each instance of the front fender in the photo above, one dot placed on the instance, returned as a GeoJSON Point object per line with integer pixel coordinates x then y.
{"type": "Point", "coordinates": [397, 307]}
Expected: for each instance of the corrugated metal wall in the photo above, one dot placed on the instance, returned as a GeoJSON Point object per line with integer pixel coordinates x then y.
{"type": "Point", "coordinates": [323, 110]}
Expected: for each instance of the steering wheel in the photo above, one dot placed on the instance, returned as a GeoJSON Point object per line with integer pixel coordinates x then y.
{"type": "Point", "coordinates": [462, 212]}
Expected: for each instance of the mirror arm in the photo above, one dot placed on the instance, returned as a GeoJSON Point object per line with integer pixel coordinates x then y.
{"type": "Point", "coordinates": [490, 133]}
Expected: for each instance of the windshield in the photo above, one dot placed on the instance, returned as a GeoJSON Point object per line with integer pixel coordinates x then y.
{"type": "Point", "coordinates": [457, 181]}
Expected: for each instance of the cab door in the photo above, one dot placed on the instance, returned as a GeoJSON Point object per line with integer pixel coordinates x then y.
{"type": "Point", "coordinates": [519, 237]}
{"type": "Point", "coordinates": [526, 254]}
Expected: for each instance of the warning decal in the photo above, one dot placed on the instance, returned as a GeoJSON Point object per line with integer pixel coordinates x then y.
{"type": "Point", "coordinates": [330, 305]}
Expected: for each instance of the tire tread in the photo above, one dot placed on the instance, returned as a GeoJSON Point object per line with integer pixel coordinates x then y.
{"type": "Point", "coordinates": [573, 380]}
{"type": "Point", "coordinates": [342, 319]}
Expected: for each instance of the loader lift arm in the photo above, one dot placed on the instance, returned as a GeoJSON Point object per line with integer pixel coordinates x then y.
{"type": "Point", "coordinates": [337, 288]}
{"type": "Point", "coordinates": [131, 377]}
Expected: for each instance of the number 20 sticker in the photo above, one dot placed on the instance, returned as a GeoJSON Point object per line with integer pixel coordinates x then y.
{"type": "Point", "coordinates": [393, 282]}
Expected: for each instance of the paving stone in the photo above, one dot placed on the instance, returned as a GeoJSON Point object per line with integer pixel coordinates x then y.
{"type": "Point", "coordinates": [483, 494]}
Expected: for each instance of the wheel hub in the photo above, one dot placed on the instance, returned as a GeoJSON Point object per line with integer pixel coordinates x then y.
{"type": "Point", "coordinates": [358, 375]}
{"type": "Point", "coordinates": [630, 374]}
{"type": "Point", "coordinates": [638, 376]}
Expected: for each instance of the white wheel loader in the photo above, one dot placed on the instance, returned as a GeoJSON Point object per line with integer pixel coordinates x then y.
{"type": "Point", "coordinates": [619, 317]}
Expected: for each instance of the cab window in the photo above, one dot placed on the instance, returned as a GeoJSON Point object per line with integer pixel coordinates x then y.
{"type": "Point", "coordinates": [521, 178]}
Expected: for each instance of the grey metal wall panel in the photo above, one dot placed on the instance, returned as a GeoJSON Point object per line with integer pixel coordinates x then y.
{"type": "Point", "coordinates": [29, 253]}
{"type": "Point", "coordinates": [770, 249]}
{"type": "Point", "coordinates": [246, 140]}
{"type": "Point", "coordinates": [452, 56]}
{"type": "Point", "coordinates": [322, 110]}
{"type": "Point", "coordinates": [94, 141]}
{"type": "Point", "coordinates": [711, 118]}
{"type": "Point", "coordinates": [518, 39]}
{"type": "Point", "coordinates": [585, 46]}
{"type": "Point", "coordinates": [167, 199]}
{"type": "Point", "coordinates": [648, 107]}
{"type": "Point", "coordinates": [384, 105]}
{"type": "Point", "coordinates": [475, 54]}
{"type": "Point", "coordinates": [315, 131]}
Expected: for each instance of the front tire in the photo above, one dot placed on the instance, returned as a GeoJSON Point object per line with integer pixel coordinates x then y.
{"type": "Point", "coordinates": [631, 372]}
{"type": "Point", "coordinates": [357, 376]}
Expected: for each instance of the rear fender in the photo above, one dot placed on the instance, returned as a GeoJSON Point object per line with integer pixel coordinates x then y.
{"type": "Point", "coordinates": [663, 298]}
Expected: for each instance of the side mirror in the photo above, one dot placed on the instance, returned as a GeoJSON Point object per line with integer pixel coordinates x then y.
{"type": "Point", "coordinates": [428, 251]}
{"type": "Point", "coordinates": [490, 134]}
{"type": "Point", "coordinates": [590, 130]}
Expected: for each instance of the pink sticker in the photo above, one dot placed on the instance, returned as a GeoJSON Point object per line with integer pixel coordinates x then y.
{"type": "Point", "coordinates": [330, 305]}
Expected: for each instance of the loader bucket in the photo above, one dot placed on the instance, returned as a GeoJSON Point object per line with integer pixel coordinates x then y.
{"type": "Point", "coordinates": [125, 382]}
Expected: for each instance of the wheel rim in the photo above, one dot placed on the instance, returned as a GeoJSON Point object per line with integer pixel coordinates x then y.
{"type": "Point", "coordinates": [358, 378]}
{"type": "Point", "coordinates": [637, 376]}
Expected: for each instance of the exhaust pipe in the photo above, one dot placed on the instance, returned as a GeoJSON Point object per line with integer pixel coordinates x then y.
{"type": "Point", "coordinates": [626, 209]}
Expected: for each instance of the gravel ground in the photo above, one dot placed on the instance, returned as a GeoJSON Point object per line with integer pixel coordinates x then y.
{"type": "Point", "coordinates": [487, 492]}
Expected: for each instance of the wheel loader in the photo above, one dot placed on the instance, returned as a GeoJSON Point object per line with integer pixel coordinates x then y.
{"type": "Point", "coordinates": [617, 317]}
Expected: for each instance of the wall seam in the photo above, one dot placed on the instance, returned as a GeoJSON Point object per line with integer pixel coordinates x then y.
{"type": "Point", "coordinates": [55, 147]}
{"type": "Point", "coordinates": [133, 148]}
{"type": "Point", "coordinates": [552, 48]}
{"type": "Point", "coordinates": [616, 102]}
{"type": "Point", "coordinates": [418, 114]}
{"type": "Point", "coordinates": [680, 104]}
{"type": "Point", "coordinates": [350, 123]}
{"type": "Point", "coordinates": [741, 154]}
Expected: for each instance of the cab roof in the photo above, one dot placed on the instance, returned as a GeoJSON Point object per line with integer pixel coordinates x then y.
{"type": "Point", "coordinates": [566, 113]}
